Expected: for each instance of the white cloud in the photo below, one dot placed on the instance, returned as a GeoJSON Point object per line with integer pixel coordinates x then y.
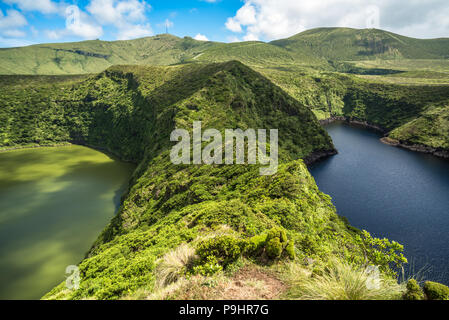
{"type": "Point", "coordinates": [135, 31]}
{"type": "Point", "coordinates": [250, 37]}
{"type": "Point", "coordinates": [78, 24]}
{"type": "Point", "coordinates": [274, 19]}
{"type": "Point", "coordinates": [13, 19]}
{"type": "Point", "coordinates": [233, 25]}
{"type": "Point", "coordinates": [8, 43]}
{"type": "Point", "coordinates": [127, 16]}
{"type": "Point", "coordinates": [246, 15]}
{"type": "Point", "coordinates": [117, 12]}
{"type": "Point", "coordinates": [234, 39]}
{"type": "Point", "coordinates": [11, 23]}
{"type": "Point", "coordinates": [201, 37]}
{"type": "Point", "coordinates": [85, 30]}
{"type": "Point", "coordinates": [14, 33]}
{"type": "Point", "coordinates": [44, 6]}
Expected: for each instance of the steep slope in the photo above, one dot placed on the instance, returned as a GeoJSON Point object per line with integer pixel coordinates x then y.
{"type": "Point", "coordinates": [84, 113]}
{"type": "Point", "coordinates": [411, 116]}
{"type": "Point", "coordinates": [345, 44]}
{"type": "Point", "coordinates": [131, 112]}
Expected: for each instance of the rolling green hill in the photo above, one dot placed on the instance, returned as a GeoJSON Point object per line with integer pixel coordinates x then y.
{"type": "Point", "coordinates": [95, 56]}
{"type": "Point", "coordinates": [345, 44]}
{"type": "Point", "coordinates": [310, 48]}
{"type": "Point", "coordinates": [321, 68]}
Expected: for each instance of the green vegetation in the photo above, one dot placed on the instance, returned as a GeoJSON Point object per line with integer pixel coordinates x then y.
{"type": "Point", "coordinates": [345, 44]}
{"type": "Point", "coordinates": [218, 253]}
{"type": "Point", "coordinates": [182, 227]}
{"type": "Point", "coordinates": [96, 56]}
{"type": "Point", "coordinates": [366, 75]}
{"type": "Point", "coordinates": [342, 281]}
{"type": "Point", "coordinates": [131, 112]}
{"type": "Point", "coordinates": [436, 291]}
{"type": "Point", "coordinates": [414, 291]}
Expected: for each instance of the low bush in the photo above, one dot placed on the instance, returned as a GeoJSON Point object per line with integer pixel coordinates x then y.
{"type": "Point", "coordinates": [436, 291]}
{"type": "Point", "coordinates": [218, 253]}
{"type": "Point", "coordinates": [414, 291]}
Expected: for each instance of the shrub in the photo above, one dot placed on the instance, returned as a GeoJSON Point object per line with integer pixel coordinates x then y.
{"type": "Point", "coordinates": [414, 291]}
{"type": "Point", "coordinates": [256, 245]}
{"type": "Point", "coordinates": [277, 233]}
{"type": "Point", "coordinates": [224, 249]}
{"type": "Point", "coordinates": [274, 248]}
{"type": "Point", "coordinates": [174, 265]}
{"type": "Point", "coordinates": [290, 250]}
{"type": "Point", "coordinates": [278, 245]}
{"type": "Point", "coordinates": [382, 252]}
{"type": "Point", "coordinates": [208, 267]}
{"type": "Point", "coordinates": [436, 291]}
{"type": "Point", "coordinates": [218, 253]}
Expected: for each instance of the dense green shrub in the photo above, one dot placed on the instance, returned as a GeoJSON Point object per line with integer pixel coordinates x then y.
{"type": "Point", "coordinates": [436, 291]}
{"type": "Point", "coordinates": [225, 250]}
{"type": "Point", "coordinates": [414, 291]}
{"type": "Point", "coordinates": [274, 248]}
{"type": "Point", "coordinates": [207, 267]}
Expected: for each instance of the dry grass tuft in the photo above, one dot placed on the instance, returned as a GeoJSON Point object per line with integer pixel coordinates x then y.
{"type": "Point", "coordinates": [344, 282]}
{"type": "Point", "coordinates": [174, 265]}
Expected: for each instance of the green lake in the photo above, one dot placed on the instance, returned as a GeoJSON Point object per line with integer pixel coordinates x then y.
{"type": "Point", "coordinates": [54, 202]}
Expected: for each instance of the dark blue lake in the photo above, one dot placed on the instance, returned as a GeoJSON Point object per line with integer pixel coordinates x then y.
{"type": "Point", "coordinates": [393, 193]}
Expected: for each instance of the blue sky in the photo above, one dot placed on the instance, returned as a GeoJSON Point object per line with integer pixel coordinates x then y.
{"type": "Point", "coordinates": [24, 22]}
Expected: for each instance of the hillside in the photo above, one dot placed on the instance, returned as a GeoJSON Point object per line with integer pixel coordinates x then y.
{"type": "Point", "coordinates": [321, 68]}
{"type": "Point", "coordinates": [182, 226]}
{"type": "Point", "coordinates": [95, 56]}
{"type": "Point", "coordinates": [345, 44]}
{"type": "Point", "coordinates": [312, 48]}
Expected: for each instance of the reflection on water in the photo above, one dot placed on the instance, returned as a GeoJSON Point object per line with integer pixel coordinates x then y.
{"type": "Point", "coordinates": [393, 193]}
{"type": "Point", "coordinates": [54, 202]}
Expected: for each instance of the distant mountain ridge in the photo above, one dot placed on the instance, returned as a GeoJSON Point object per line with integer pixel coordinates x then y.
{"type": "Point", "coordinates": [311, 48]}
{"type": "Point", "coordinates": [364, 44]}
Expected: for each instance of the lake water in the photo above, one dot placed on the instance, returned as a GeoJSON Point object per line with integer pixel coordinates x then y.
{"type": "Point", "coordinates": [54, 202]}
{"type": "Point", "coordinates": [393, 193]}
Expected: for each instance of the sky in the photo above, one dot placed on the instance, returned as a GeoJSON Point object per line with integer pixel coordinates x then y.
{"type": "Point", "coordinates": [26, 22]}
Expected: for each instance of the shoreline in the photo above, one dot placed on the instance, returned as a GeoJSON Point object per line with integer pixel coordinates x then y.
{"type": "Point", "coordinates": [37, 146]}
{"type": "Point", "coordinates": [356, 122]}
{"type": "Point", "coordinates": [318, 156]}
{"type": "Point", "coordinates": [107, 152]}
{"type": "Point", "coordinates": [421, 148]}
